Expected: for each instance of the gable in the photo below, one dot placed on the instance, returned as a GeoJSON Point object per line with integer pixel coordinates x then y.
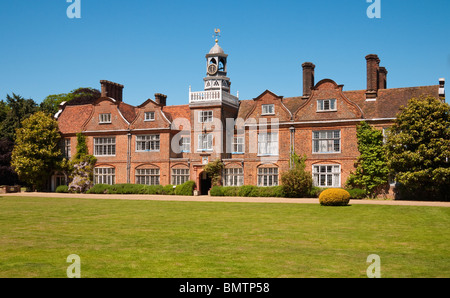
{"type": "Point", "coordinates": [323, 95]}
{"type": "Point", "coordinates": [106, 106]}
{"type": "Point", "coordinates": [268, 105]}
{"type": "Point", "coordinates": [159, 119]}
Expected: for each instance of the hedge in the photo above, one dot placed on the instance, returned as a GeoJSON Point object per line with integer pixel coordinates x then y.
{"type": "Point", "coordinates": [247, 191]}
{"type": "Point", "coordinates": [185, 189]}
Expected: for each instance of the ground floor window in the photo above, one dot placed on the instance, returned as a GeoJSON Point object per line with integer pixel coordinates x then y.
{"type": "Point", "coordinates": [179, 176]}
{"type": "Point", "coordinates": [233, 177]}
{"type": "Point", "coordinates": [104, 176]}
{"type": "Point", "coordinates": [327, 175]}
{"type": "Point", "coordinates": [267, 176]}
{"type": "Point", "coordinates": [147, 176]}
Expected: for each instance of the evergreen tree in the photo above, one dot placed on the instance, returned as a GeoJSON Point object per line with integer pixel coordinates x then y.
{"type": "Point", "coordinates": [418, 149]}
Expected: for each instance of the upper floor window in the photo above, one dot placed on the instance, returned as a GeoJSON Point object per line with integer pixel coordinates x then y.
{"type": "Point", "coordinates": [149, 116]}
{"type": "Point", "coordinates": [268, 143]}
{"type": "Point", "coordinates": [104, 118]}
{"type": "Point", "coordinates": [185, 144]}
{"type": "Point", "coordinates": [268, 109]}
{"type": "Point", "coordinates": [147, 143]}
{"type": "Point", "coordinates": [105, 146]}
{"type": "Point", "coordinates": [327, 141]}
{"type": "Point", "coordinates": [205, 142]}
{"type": "Point", "coordinates": [326, 105]}
{"type": "Point", "coordinates": [205, 116]}
{"type": "Point", "coordinates": [65, 148]}
{"type": "Point", "coordinates": [238, 145]}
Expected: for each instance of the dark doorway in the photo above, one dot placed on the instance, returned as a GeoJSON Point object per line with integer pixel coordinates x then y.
{"type": "Point", "coordinates": [205, 183]}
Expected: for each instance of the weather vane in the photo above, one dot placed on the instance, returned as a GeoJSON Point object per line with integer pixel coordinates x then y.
{"type": "Point", "coordinates": [216, 34]}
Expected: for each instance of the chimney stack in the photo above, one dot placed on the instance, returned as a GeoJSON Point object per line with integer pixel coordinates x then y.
{"type": "Point", "coordinates": [308, 78]}
{"type": "Point", "coordinates": [373, 65]}
{"type": "Point", "coordinates": [111, 89]}
{"type": "Point", "coordinates": [160, 99]}
{"type": "Point", "coordinates": [382, 78]}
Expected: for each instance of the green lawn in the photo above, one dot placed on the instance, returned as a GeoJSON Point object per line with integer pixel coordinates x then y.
{"type": "Point", "coordinates": [119, 238]}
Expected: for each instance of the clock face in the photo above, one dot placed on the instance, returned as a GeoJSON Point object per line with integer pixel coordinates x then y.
{"type": "Point", "coordinates": [212, 69]}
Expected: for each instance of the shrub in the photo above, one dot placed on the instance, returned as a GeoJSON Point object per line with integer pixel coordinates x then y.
{"type": "Point", "coordinates": [230, 191]}
{"type": "Point", "coordinates": [185, 189]}
{"type": "Point", "coordinates": [334, 197]}
{"type": "Point", "coordinates": [297, 183]}
{"type": "Point", "coordinates": [152, 189]}
{"type": "Point", "coordinates": [99, 189]}
{"type": "Point", "coordinates": [62, 188]}
{"type": "Point", "coordinates": [216, 191]}
{"type": "Point", "coordinates": [245, 190]}
{"type": "Point", "coordinates": [168, 190]}
{"type": "Point", "coordinates": [357, 193]}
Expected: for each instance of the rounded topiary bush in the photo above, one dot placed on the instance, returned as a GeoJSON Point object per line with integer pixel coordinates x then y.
{"type": "Point", "coordinates": [334, 197]}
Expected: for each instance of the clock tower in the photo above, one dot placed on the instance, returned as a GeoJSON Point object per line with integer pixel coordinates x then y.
{"type": "Point", "coordinates": [216, 70]}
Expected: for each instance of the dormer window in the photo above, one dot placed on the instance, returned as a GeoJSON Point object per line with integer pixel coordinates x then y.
{"type": "Point", "coordinates": [149, 116]}
{"type": "Point", "coordinates": [268, 109]}
{"type": "Point", "coordinates": [104, 118]}
{"type": "Point", "coordinates": [324, 105]}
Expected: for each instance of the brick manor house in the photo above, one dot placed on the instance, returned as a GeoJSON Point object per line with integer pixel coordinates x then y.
{"type": "Point", "coordinates": [156, 143]}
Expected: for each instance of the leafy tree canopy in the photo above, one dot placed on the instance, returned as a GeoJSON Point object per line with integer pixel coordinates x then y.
{"type": "Point", "coordinates": [36, 153]}
{"type": "Point", "coordinates": [418, 148]}
{"type": "Point", "coordinates": [51, 103]}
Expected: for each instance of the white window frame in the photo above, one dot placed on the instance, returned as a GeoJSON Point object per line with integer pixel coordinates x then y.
{"type": "Point", "coordinates": [147, 143]}
{"type": "Point", "coordinates": [233, 177]}
{"type": "Point", "coordinates": [104, 175]}
{"type": "Point", "coordinates": [268, 176]}
{"type": "Point", "coordinates": [147, 176]}
{"type": "Point", "coordinates": [205, 142]}
{"type": "Point", "coordinates": [324, 173]}
{"type": "Point", "coordinates": [326, 105]}
{"type": "Point", "coordinates": [205, 116]}
{"type": "Point", "coordinates": [268, 109]}
{"type": "Point", "coordinates": [105, 146]}
{"type": "Point", "coordinates": [104, 118]}
{"type": "Point", "coordinates": [185, 144]}
{"type": "Point", "coordinates": [179, 176]}
{"type": "Point", "coordinates": [238, 145]}
{"type": "Point", "coordinates": [325, 141]}
{"type": "Point", "coordinates": [149, 116]}
{"type": "Point", "coordinates": [268, 143]}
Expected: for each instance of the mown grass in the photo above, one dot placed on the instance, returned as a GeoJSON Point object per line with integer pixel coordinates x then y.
{"type": "Point", "coordinates": [213, 239]}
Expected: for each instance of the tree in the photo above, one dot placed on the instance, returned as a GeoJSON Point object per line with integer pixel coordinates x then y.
{"type": "Point", "coordinates": [418, 148]}
{"type": "Point", "coordinates": [14, 112]}
{"type": "Point", "coordinates": [51, 103]}
{"type": "Point", "coordinates": [7, 174]}
{"type": "Point", "coordinates": [36, 153]}
{"type": "Point", "coordinates": [296, 182]}
{"type": "Point", "coordinates": [214, 170]}
{"type": "Point", "coordinates": [371, 167]}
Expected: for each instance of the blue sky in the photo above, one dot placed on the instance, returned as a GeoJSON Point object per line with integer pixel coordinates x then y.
{"type": "Point", "coordinates": [160, 46]}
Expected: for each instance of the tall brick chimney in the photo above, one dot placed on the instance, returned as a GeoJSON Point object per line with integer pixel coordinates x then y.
{"type": "Point", "coordinates": [308, 78]}
{"type": "Point", "coordinates": [382, 78]}
{"type": "Point", "coordinates": [111, 89]}
{"type": "Point", "coordinates": [160, 99]}
{"type": "Point", "coordinates": [373, 65]}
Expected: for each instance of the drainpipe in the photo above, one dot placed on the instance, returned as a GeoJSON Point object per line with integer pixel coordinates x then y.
{"type": "Point", "coordinates": [292, 146]}
{"type": "Point", "coordinates": [128, 157]}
